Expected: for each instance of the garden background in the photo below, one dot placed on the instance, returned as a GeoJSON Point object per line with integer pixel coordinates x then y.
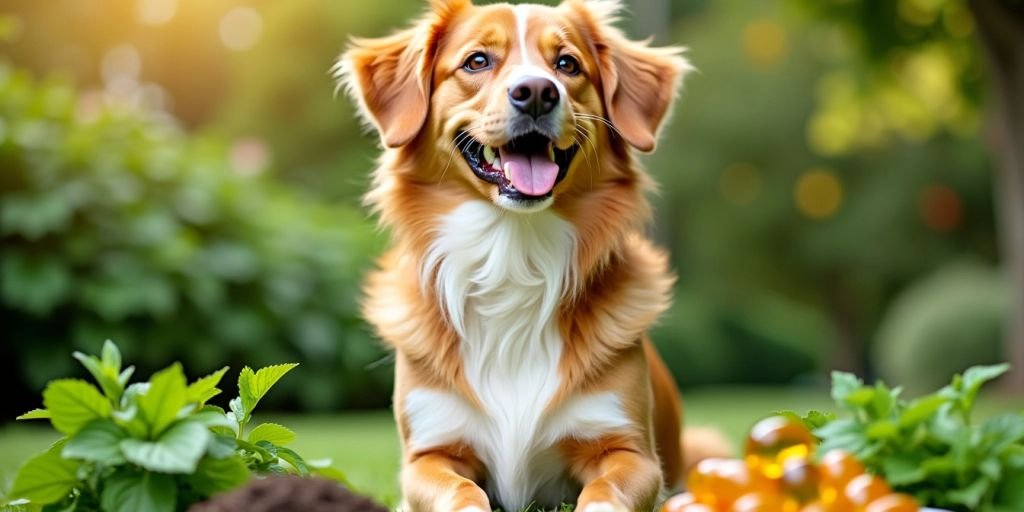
{"type": "Point", "coordinates": [841, 188]}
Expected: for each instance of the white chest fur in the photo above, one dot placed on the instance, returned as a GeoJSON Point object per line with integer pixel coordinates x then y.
{"type": "Point", "coordinates": [500, 277]}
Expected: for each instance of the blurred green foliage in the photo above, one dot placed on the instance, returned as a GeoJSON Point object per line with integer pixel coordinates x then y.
{"type": "Point", "coordinates": [934, 327]}
{"type": "Point", "coordinates": [115, 224]}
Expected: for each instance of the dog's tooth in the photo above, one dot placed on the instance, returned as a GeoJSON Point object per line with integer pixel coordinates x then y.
{"type": "Point", "coordinates": [504, 168]}
{"type": "Point", "coordinates": [489, 154]}
{"type": "Point", "coordinates": [551, 152]}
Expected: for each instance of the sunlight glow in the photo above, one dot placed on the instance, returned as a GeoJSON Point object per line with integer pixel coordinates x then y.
{"type": "Point", "coordinates": [156, 12]}
{"type": "Point", "coordinates": [240, 28]}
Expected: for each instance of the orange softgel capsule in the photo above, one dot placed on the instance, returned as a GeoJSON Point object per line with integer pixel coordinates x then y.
{"type": "Point", "coordinates": [836, 470]}
{"type": "Point", "coordinates": [893, 503]}
{"type": "Point", "coordinates": [720, 482]}
{"type": "Point", "coordinates": [760, 502]}
{"type": "Point", "coordinates": [865, 489]}
{"type": "Point", "coordinates": [677, 502]}
{"type": "Point", "coordinates": [772, 441]}
{"type": "Point", "coordinates": [799, 481]}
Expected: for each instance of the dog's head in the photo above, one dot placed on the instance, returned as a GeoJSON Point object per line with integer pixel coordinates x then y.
{"type": "Point", "coordinates": [518, 91]}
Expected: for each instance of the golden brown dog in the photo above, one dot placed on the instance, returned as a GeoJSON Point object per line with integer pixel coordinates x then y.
{"type": "Point", "coordinates": [519, 287]}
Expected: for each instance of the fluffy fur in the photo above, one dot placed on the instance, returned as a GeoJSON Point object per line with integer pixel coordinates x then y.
{"type": "Point", "coordinates": [523, 371]}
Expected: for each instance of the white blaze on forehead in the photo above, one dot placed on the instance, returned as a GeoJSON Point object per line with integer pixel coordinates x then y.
{"type": "Point", "coordinates": [522, 15]}
{"type": "Point", "coordinates": [525, 68]}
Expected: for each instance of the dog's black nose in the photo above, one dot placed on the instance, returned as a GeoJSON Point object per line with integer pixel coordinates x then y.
{"type": "Point", "coordinates": [535, 96]}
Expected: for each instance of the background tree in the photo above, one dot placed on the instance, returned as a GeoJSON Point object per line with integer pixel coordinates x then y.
{"type": "Point", "coordinates": [928, 50]}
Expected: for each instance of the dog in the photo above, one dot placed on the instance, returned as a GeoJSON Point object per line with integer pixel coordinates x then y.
{"type": "Point", "coordinates": [519, 286]}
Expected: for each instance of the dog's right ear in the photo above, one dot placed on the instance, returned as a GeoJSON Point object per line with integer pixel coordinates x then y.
{"type": "Point", "coordinates": [390, 77]}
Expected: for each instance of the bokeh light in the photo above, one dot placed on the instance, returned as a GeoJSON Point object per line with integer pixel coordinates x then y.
{"type": "Point", "coordinates": [764, 43]}
{"type": "Point", "coordinates": [818, 194]}
{"type": "Point", "coordinates": [941, 208]}
{"type": "Point", "coordinates": [240, 28]}
{"type": "Point", "coordinates": [156, 12]}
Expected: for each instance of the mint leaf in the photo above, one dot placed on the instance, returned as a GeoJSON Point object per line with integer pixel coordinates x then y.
{"type": "Point", "coordinates": [253, 386]}
{"type": "Point", "coordinates": [160, 404]}
{"type": "Point", "coordinates": [177, 450]}
{"type": "Point", "coordinates": [218, 475]}
{"type": "Point", "coordinates": [843, 385]}
{"type": "Point", "coordinates": [205, 388]}
{"type": "Point", "coordinates": [111, 356]}
{"type": "Point", "coordinates": [133, 491]}
{"type": "Point", "coordinates": [976, 377]}
{"type": "Point", "coordinates": [294, 460]}
{"type": "Point", "coordinates": [46, 478]}
{"type": "Point", "coordinates": [273, 433]}
{"type": "Point", "coordinates": [73, 403]}
{"type": "Point", "coordinates": [35, 414]}
{"type": "Point", "coordinates": [105, 373]}
{"type": "Point", "coordinates": [97, 442]}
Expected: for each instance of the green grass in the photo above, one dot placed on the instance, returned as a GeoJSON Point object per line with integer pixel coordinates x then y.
{"type": "Point", "coordinates": [365, 445]}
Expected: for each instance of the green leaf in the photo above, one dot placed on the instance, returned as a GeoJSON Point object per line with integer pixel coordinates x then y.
{"type": "Point", "coordinates": [134, 491]}
{"type": "Point", "coordinates": [253, 386]}
{"type": "Point", "coordinates": [221, 447]}
{"type": "Point", "coordinates": [106, 377]}
{"type": "Point", "coordinates": [211, 418]}
{"type": "Point", "coordinates": [843, 384]}
{"type": "Point", "coordinates": [73, 403]}
{"type": "Point", "coordinates": [976, 377]}
{"type": "Point", "coordinates": [97, 442]}
{"type": "Point", "coordinates": [111, 356]}
{"type": "Point", "coordinates": [294, 459]}
{"type": "Point", "coordinates": [160, 404]}
{"type": "Point", "coordinates": [205, 388]}
{"type": "Point", "coordinates": [35, 414]}
{"type": "Point", "coordinates": [921, 410]}
{"type": "Point", "coordinates": [903, 469]}
{"type": "Point", "coordinates": [177, 450]}
{"type": "Point", "coordinates": [971, 495]}
{"type": "Point", "coordinates": [1011, 491]}
{"type": "Point", "coordinates": [217, 475]}
{"type": "Point", "coordinates": [883, 429]}
{"type": "Point", "coordinates": [46, 478]}
{"type": "Point", "coordinates": [273, 433]}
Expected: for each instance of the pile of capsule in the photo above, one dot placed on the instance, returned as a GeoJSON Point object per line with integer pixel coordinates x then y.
{"type": "Point", "coordinates": [779, 474]}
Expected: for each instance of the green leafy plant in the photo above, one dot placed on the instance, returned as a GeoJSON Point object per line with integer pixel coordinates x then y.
{"type": "Point", "coordinates": [932, 446]}
{"type": "Point", "coordinates": [156, 446]}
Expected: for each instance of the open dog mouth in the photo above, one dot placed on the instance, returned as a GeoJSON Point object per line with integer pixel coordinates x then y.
{"type": "Point", "coordinates": [526, 168]}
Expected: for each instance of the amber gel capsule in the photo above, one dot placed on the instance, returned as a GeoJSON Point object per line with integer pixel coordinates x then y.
{"type": "Point", "coordinates": [720, 482]}
{"type": "Point", "coordinates": [864, 489]}
{"type": "Point", "coordinates": [836, 470]}
{"type": "Point", "coordinates": [893, 503]}
{"type": "Point", "coordinates": [772, 441]}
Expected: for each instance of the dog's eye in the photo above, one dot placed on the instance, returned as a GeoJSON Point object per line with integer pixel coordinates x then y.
{"type": "Point", "coordinates": [568, 64]}
{"type": "Point", "coordinates": [477, 62]}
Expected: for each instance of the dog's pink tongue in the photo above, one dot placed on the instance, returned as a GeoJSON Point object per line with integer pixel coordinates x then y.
{"type": "Point", "coordinates": [533, 175]}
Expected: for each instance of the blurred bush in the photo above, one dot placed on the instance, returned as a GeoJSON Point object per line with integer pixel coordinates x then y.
{"type": "Point", "coordinates": [954, 317]}
{"type": "Point", "coordinates": [762, 339]}
{"type": "Point", "coordinates": [114, 224]}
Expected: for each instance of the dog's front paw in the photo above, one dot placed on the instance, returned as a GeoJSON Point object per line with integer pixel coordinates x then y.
{"type": "Point", "coordinates": [603, 506]}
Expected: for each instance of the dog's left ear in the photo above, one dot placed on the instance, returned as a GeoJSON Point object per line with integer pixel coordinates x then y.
{"type": "Point", "coordinates": [639, 82]}
{"type": "Point", "coordinates": [389, 77]}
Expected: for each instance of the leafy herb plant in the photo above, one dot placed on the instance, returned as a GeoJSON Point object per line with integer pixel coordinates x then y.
{"type": "Point", "coordinates": [930, 447]}
{"type": "Point", "coordinates": [155, 446]}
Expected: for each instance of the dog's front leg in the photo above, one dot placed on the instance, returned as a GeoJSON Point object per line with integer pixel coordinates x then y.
{"type": "Point", "coordinates": [441, 482]}
{"type": "Point", "coordinates": [616, 478]}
